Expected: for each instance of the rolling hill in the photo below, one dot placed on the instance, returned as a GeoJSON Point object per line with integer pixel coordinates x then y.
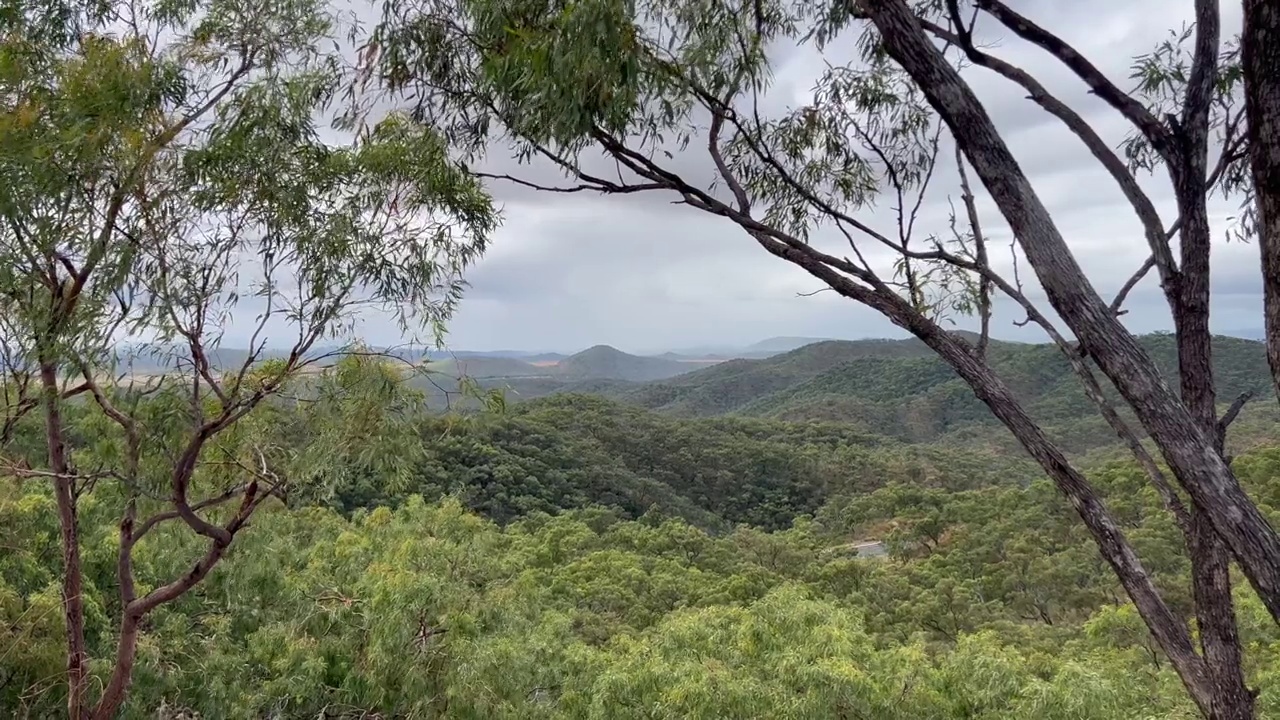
{"type": "Point", "coordinates": [782, 344]}
{"type": "Point", "coordinates": [483, 368]}
{"type": "Point", "coordinates": [604, 362]}
{"type": "Point", "coordinates": [895, 388]}
{"type": "Point", "coordinates": [899, 388]}
{"type": "Point", "coordinates": [732, 386]}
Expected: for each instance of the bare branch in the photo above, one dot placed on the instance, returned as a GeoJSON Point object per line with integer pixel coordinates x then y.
{"type": "Point", "coordinates": [1135, 112]}
{"type": "Point", "coordinates": [1153, 228]}
{"type": "Point", "coordinates": [618, 188]}
{"type": "Point", "coordinates": [151, 522]}
{"type": "Point", "coordinates": [1204, 73]}
{"type": "Point", "coordinates": [1233, 411]}
{"type": "Point", "coordinates": [980, 255]}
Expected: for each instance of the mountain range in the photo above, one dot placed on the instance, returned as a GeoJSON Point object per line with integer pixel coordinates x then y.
{"type": "Point", "coordinates": [895, 388]}
{"type": "Point", "coordinates": [600, 362]}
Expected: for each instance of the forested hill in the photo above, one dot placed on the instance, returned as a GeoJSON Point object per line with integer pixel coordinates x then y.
{"type": "Point", "coordinates": [573, 451]}
{"type": "Point", "coordinates": [900, 388]}
{"type": "Point", "coordinates": [604, 362]}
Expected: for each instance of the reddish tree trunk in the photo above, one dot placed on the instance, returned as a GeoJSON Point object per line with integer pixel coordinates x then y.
{"type": "Point", "coordinates": [72, 576]}
{"type": "Point", "coordinates": [126, 653]}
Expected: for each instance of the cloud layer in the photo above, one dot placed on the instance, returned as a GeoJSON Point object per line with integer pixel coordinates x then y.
{"type": "Point", "coordinates": [569, 271]}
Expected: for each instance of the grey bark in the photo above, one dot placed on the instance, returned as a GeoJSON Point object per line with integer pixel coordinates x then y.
{"type": "Point", "coordinates": [1260, 54]}
{"type": "Point", "coordinates": [1186, 447]}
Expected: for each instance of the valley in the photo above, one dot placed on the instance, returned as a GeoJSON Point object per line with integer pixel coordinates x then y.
{"type": "Point", "coordinates": [614, 509]}
{"type": "Point", "coordinates": [897, 388]}
{"type": "Point", "coordinates": [244, 476]}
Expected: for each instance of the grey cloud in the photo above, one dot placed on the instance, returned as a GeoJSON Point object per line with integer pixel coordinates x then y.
{"type": "Point", "coordinates": [570, 270]}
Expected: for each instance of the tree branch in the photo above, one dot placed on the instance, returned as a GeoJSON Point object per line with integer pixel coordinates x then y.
{"type": "Point", "coordinates": [1153, 228]}
{"type": "Point", "coordinates": [1135, 112]}
{"type": "Point", "coordinates": [1233, 411]}
{"type": "Point", "coordinates": [980, 255]}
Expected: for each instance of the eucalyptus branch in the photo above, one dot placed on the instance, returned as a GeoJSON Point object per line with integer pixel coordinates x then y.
{"type": "Point", "coordinates": [151, 522]}
{"type": "Point", "coordinates": [980, 255]}
{"type": "Point", "coordinates": [1153, 227]}
{"type": "Point", "coordinates": [764, 155]}
{"type": "Point", "coordinates": [617, 188]}
{"type": "Point", "coordinates": [1233, 411]}
{"type": "Point", "coordinates": [1157, 134]}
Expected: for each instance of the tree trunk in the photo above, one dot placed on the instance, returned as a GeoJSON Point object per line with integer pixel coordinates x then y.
{"type": "Point", "coordinates": [72, 577]}
{"type": "Point", "coordinates": [1190, 453]}
{"type": "Point", "coordinates": [1260, 54]}
{"type": "Point", "coordinates": [1202, 682]}
{"type": "Point", "coordinates": [1216, 617]}
{"type": "Point", "coordinates": [121, 675]}
{"type": "Point", "coordinates": [1189, 300]}
{"type": "Point", "coordinates": [1169, 631]}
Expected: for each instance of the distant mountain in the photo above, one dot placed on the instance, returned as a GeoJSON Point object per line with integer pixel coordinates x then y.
{"type": "Point", "coordinates": [605, 362]}
{"type": "Point", "coordinates": [730, 386]}
{"type": "Point", "coordinates": [142, 359]}
{"type": "Point", "coordinates": [783, 344]}
{"type": "Point", "coordinates": [481, 368]}
{"type": "Point", "coordinates": [514, 354]}
{"type": "Point", "coordinates": [900, 388]}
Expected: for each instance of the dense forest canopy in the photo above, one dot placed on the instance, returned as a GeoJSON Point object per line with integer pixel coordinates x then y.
{"type": "Point", "coordinates": [574, 556]}
{"type": "Point", "coordinates": [619, 575]}
{"type": "Point", "coordinates": [895, 99]}
{"type": "Point", "coordinates": [947, 527]}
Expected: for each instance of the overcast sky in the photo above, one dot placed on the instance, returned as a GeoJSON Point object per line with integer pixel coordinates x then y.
{"type": "Point", "coordinates": [567, 272]}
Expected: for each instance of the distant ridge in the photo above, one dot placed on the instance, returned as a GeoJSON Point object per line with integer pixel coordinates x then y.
{"type": "Point", "coordinates": [783, 344]}
{"type": "Point", "coordinates": [482, 368]}
{"type": "Point", "coordinates": [1247, 333]}
{"type": "Point", "coordinates": [605, 362]}
{"type": "Point", "coordinates": [902, 387]}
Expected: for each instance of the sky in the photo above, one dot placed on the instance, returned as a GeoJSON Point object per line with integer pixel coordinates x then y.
{"type": "Point", "coordinates": [565, 272]}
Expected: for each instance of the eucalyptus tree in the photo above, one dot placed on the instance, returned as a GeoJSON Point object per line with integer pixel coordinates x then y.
{"type": "Point", "coordinates": [1260, 58]}
{"type": "Point", "coordinates": [168, 176]}
{"type": "Point", "coordinates": [635, 82]}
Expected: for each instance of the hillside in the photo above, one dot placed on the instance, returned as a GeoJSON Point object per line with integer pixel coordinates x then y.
{"type": "Point", "coordinates": [899, 388]}
{"type": "Point", "coordinates": [591, 524]}
{"type": "Point", "coordinates": [479, 368]}
{"type": "Point", "coordinates": [731, 386]}
{"type": "Point", "coordinates": [604, 362]}
{"type": "Point", "coordinates": [782, 344]}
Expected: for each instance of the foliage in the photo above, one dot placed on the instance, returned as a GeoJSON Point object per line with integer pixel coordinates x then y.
{"type": "Point", "coordinates": [574, 451]}
{"type": "Point", "coordinates": [993, 602]}
{"type": "Point", "coordinates": [168, 171]}
{"type": "Point", "coordinates": [428, 610]}
{"type": "Point", "coordinates": [638, 81]}
{"type": "Point", "coordinates": [903, 390]}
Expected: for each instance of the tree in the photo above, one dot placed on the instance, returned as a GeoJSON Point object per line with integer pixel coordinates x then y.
{"type": "Point", "coordinates": [1260, 59]}
{"type": "Point", "coordinates": [634, 82]}
{"type": "Point", "coordinates": [165, 170]}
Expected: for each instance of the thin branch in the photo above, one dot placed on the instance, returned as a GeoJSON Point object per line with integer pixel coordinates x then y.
{"type": "Point", "coordinates": [1156, 133]}
{"type": "Point", "coordinates": [980, 255]}
{"type": "Point", "coordinates": [1233, 411]}
{"type": "Point", "coordinates": [616, 188]}
{"type": "Point", "coordinates": [1117, 303]}
{"type": "Point", "coordinates": [150, 523]}
{"type": "Point", "coordinates": [1153, 227]}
